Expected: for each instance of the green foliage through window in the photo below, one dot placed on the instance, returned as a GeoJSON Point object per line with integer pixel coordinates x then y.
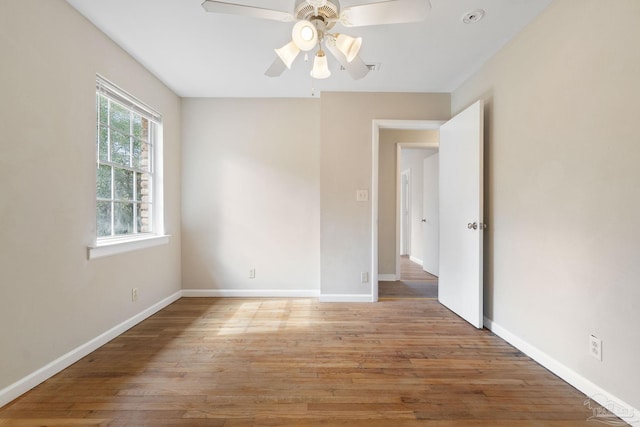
{"type": "Point", "coordinates": [124, 167]}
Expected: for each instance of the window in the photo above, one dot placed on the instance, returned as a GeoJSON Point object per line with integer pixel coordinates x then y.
{"type": "Point", "coordinates": [128, 200]}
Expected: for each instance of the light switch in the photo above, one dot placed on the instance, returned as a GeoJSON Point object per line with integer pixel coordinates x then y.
{"type": "Point", "coordinates": [362, 195]}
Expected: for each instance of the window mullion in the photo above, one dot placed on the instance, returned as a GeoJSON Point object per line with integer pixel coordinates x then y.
{"type": "Point", "coordinates": [118, 165]}
{"type": "Point", "coordinates": [112, 179]}
{"type": "Point", "coordinates": [108, 130]}
{"type": "Point", "coordinates": [133, 175]}
{"type": "Point", "coordinates": [113, 205]}
{"type": "Point", "coordinates": [130, 138]}
{"type": "Point", "coordinates": [135, 203]}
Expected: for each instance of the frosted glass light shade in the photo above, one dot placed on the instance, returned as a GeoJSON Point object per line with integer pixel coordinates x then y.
{"type": "Point", "coordinates": [304, 35]}
{"type": "Point", "coordinates": [288, 53]}
{"type": "Point", "coordinates": [320, 66]}
{"type": "Point", "coordinates": [349, 46]}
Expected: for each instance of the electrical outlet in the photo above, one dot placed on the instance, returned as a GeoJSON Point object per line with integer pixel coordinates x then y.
{"type": "Point", "coordinates": [252, 273]}
{"type": "Point", "coordinates": [364, 277]}
{"type": "Point", "coordinates": [595, 347]}
{"type": "Point", "coordinates": [362, 195]}
{"type": "Point", "coordinates": [134, 294]}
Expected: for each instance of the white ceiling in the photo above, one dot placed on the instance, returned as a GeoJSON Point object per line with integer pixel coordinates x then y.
{"type": "Point", "coordinates": [200, 54]}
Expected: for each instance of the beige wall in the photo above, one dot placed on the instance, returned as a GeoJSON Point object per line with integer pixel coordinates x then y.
{"type": "Point", "coordinates": [251, 195]}
{"type": "Point", "coordinates": [345, 166]}
{"type": "Point", "coordinates": [387, 190]}
{"type": "Point", "coordinates": [52, 299]}
{"type": "Point", "coordinates": [562, 154]}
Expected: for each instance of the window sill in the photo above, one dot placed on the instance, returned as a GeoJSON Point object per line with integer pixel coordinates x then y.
{"type": "Point", "coordinates": [125, 244]}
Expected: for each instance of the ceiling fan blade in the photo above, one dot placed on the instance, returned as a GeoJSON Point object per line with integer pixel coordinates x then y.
{"type": "Point", "coordinates": [357, 69]}
{"type": "Point", "coordinates": [386, 12]}
{"type": "Point", "coordinates": [242, 10]}
{"type": "Point", "coordinates": [277, 68]}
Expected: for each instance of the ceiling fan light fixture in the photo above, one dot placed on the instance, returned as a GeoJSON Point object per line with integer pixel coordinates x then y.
{"type": "Point", "coordinates": [288, 53]}
{"type": "Point", "coordinates": [320, 66]}
{"type": "Point", "coordinates": [305, 35]}
{"type": "Point", "coordinates": [349, 46]}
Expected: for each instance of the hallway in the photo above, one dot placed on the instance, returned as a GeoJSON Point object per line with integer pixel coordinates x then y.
{"type": "Point", "coordinates": [413, 283]}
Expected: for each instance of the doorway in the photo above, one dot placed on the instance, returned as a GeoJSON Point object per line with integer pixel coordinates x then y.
{"type": "Point", "coordinates": [420, 207]}
{"type": "Point", "coordinates": [398, 214]}
{"type": "Point", "coordinates": [417, 216]}
{"type": "Point", "coordinates": [461, 202]}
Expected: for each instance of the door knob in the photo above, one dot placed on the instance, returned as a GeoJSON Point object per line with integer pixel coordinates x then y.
{"type": "Point", "coordinates": [424, 220]}
{"type": "Point", "coordinates": [475, 226]}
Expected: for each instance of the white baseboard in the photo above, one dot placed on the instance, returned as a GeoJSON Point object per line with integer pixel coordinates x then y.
{"type": "Point", "coordinates": [624, 411]}
{"type": "Point", "coordinates": [345, 298]}
{"type": "Point", "coordinates": [274, 293]}
{"type": "Point", "coordinates": [387, 277]}
{"type": "Point", "coordinates": [249, 293]}
{"type": "Point", "coordinates": [22, 386]}
{"type": "Point", "coordinates": [416, 260]}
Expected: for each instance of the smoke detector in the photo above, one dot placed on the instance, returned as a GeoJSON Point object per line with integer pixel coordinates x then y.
{"type": "Point", "coordinates": [473, 16]}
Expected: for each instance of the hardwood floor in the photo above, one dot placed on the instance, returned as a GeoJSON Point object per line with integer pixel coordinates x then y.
{"type": "Point", "coordinates": [412, 271]}
{"type": "Point", "coordinates": [404, 289]}
{"type": "Point", "coordinates": [299, 362]}
{"type": "Point", "coordinates": [414, 283]}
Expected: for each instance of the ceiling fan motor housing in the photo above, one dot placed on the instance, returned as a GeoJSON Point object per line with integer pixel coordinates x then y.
{"type": "Point", "coordinates": [329, 11]}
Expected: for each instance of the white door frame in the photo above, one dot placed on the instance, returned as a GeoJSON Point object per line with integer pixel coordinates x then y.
{"type": "Point", "coordinates": [375, 149]}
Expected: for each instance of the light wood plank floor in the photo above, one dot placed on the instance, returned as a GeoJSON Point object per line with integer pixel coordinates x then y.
{"type": "Point", "coordinates": [414, 283]}
{"type": "Point", "coordinates": [299, 362]}
{"type": "Point", "coordinates": [413, 271]}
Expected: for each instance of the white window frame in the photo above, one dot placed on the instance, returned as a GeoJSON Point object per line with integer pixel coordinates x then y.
{"type": "Point", "coordinates": [111, 245]}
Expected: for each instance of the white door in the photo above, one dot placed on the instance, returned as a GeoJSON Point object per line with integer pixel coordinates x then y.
{"type": "Point", "coordinates": [430, 216]}
{"type": "Point", "coordinates": [461, 214]}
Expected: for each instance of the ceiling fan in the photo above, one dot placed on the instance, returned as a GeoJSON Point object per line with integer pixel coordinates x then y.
{"type": "Point", "coordinates": [314, 21]}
